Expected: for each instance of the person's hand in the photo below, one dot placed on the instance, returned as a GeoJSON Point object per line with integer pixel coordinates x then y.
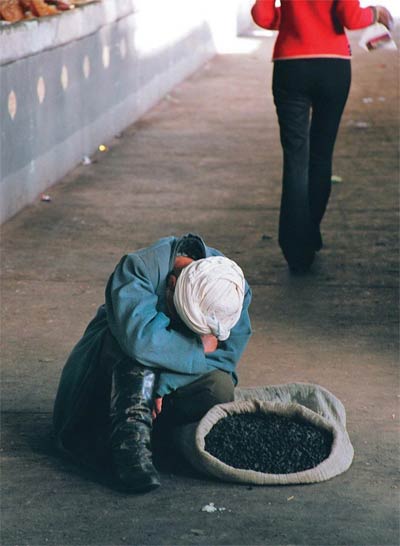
{"type": "Point", "coordinates": [384, 16]}
{"type": "Point", "coordinates": [157, 407]}
{"type": "Point", "coordinates": [210, 343]}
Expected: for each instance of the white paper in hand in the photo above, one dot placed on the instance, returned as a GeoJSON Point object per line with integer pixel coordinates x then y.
{"type": "Point", "coordinates": [377, 36]}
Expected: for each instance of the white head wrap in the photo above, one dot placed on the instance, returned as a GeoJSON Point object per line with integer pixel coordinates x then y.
{"type": "Point", "coordinates": [209, 296]}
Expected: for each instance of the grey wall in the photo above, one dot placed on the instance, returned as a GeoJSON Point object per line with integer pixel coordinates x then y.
{"type": "Point", "coordinates": [73, 81]}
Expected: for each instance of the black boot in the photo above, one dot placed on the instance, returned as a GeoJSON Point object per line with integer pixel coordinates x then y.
{"type": "Point", "coordinates": [132, 398]}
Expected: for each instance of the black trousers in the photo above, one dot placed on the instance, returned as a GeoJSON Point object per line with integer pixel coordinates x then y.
{"type": "Point", "coordinates": [310, 96]}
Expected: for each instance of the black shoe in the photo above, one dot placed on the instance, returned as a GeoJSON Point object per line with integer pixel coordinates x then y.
{"type": "Point", "coordinates": [134, 473]}
{"type": "Point", "coordinates": [299, 269]}
{"type": "Point", "coordinates": [132, 398]}
{"type": "Point", "coordinates": [302, 267]}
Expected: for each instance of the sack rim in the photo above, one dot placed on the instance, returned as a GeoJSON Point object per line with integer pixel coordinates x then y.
{"type": "Point", "coordinates": [221, 411]}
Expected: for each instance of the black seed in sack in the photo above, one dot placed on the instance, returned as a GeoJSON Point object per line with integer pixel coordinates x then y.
{"type": "Point", "coordinates": [268, 443]}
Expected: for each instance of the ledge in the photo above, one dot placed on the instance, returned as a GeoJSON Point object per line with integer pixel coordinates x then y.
{"type": "Point", "coordinates": [32, 36]}
{"type": "Point", "coordinates": [52, 69]}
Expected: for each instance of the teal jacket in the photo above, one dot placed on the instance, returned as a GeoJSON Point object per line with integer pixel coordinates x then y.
{"type": "Point", "coordinates": [135, 314]}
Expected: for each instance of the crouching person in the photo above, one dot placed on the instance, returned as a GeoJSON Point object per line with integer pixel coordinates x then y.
{"type": "Point", "coordinates": [165, 344]}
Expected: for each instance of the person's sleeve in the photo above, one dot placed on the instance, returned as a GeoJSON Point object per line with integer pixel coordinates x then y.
{"type": "Point", "coordinates": [229, 352]}
{"type": "Point", "coordinates": [143, 332]}
{"type": "Point", "coordinates": [352, 16]}
{"type": "Point", "coordinates": [266, 15]}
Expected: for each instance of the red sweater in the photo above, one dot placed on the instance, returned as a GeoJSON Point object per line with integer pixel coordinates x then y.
{"type": "Point", "coordinates": [312, 28]}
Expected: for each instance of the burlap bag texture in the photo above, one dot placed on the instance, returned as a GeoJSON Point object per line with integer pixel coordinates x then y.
{"type": "Point", "coordinates": [311, 402]}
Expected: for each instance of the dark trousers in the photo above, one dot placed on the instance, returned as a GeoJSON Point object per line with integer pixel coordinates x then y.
{"type": "Point", "coordinates": [186, 405]}
{"type": "Point", "coordinates": [310, 96]}
{"type": "Point", "coordinates": [190, 403]}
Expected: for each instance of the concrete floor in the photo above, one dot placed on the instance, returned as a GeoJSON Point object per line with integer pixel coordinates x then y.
{"type": "Point", "coordinates": [207, 159]}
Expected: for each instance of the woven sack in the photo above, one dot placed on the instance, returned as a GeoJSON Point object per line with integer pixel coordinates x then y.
{"type": "Point", "coordinates": [310, 402]}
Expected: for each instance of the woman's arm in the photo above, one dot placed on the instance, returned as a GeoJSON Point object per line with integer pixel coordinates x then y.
{"type": "Point", "coordinates": [352, 16]}
{"type": "Point", "coordinates": [383, 16]}
{"type": "Point", "coordinates": [266, 15]}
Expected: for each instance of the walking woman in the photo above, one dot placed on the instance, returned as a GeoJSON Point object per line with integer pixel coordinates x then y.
{"type": "Point", "coordinates": [312, 74]}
